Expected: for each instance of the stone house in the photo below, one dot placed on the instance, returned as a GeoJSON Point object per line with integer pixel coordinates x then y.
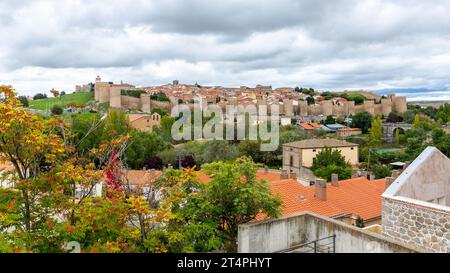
{"type": "Point", "coordinates": [144, 122]}
{"type": "Point", "coordinates": [301, 153]}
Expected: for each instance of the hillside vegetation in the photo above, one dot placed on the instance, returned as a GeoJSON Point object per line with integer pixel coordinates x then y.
{"type": "Point", "coordinates": [77, 98]}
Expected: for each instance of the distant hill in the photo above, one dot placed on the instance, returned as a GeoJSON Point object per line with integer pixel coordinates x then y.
{"type": "Point", "coordinates": [367, 94]}
{"type": "Point", "coordinates": [47, 104]}
{"type": "Point", "coordinates": [400, 91]}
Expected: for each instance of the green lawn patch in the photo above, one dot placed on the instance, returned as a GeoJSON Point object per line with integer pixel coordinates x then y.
{"type": "Point", "coordinates": [46, 104]}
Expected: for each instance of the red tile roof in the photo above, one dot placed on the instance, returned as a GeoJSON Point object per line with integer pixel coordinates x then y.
{"type": "Point", "coordinates": [357, 196]}
{"type": "Point", "coordinates": [309, 125]}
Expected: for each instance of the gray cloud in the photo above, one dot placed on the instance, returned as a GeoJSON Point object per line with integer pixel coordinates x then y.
{"type": "Point", "coordinates": [323, 44]}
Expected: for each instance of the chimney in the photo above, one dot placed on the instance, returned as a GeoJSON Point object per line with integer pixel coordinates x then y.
{"type": "Point", "coordinates": [334, 180]}
{"type": "Point", "coordinates": [371, 176]}
{"type": "Point", "coordinates": [321, 189]}
{"type": "Point", "coordinates": [293, 175]}
{"type": "Point", "coordinates": [389, 181]}
{"type": "Point", "coordinates": [284, 174]}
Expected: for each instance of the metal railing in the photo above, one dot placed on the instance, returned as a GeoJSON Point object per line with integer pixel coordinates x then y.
{"type": "Point", "coordinates": [322, 245]}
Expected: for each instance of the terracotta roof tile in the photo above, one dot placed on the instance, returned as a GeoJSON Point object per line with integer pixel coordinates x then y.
{"type": "Point", "coordinates": [357, 196]}
{"type": "Point", "coordinates": [320, 143]}
{"type": "Point", "coordinates": [309, 125]}
{"type": "Point", "coordinates": [353, 196]}
{"type": "Point", "coordinates": [141, 177]}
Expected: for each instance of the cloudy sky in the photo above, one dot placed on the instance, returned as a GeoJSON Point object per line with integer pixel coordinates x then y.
{"type": "Point", "coordinates": [323, 44]}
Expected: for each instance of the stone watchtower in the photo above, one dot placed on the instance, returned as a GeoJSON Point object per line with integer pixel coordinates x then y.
{"type": "Point", "coordinates": [145, 103]}
{"type": "Point", "coordinates": [303, 108]}
{"type": "Point", "coordinates": [288, 107]}
{"type": "Point", "coordinates": [101, 90]}
{"type": "Point", "coordinates": [399, 104]}
{"type": "Point", "coordinates": [386, 106]}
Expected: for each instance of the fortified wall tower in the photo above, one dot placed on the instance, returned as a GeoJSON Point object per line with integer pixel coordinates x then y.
{"type": "Point", "coordinates": [399, 104]}
{"type": "Point", "coordinates": [101, 90]}
{"type": "Point", "coordinates": [327, 107]}
{"type": "Point", "coordinates": [288, 107]}
{"type": "Point", "coordinates": [386, 106]}
{"type": "Point", "coordinates": [105, 92]}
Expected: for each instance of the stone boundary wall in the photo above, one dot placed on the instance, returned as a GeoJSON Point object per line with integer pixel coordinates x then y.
{"type": "Point", "coordinates": [417, 225]}
{"type": "Point", "coordinates": [282, 233]}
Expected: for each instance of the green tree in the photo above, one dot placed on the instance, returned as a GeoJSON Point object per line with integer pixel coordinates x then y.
{"type": "Point", "coordinates": [329, 161]}
{"type": "Point", "coordinates": [415, 144]}
{"type": "Point", "coordinates": [381, 171]}
{"type": "Point", "coordinates": [443, 113]}
{"type": "Point", "coordinates": [165, 129]}
{"type": "Point", "coordinates": [362, 120]}
{"type": "Point", "coordinates": [116, 124]}
{"type": "Point", "coordinates": [251, 148]}
{"type": "Point", "coordinates": [416, 123]}
{"type": "Point", "coordinates": [88, 129]}
{"type": "Point", "coordinates": [327, 171]}
{"type": "Point", "coordinates": [329, 120]}
{"type": "Point", "coordinates": [409, 116]}
{"type": "Point", "coordinates": [56, 109]}
{"type": "Point", "coordinates": [142, 146]}
{"type": "Point", "coordinates": [441, 140]}
{"type": "Point", "coordinates": [235, 196]}
{"type": "Point", "coordinates": [39, 96]}
{"type": "Point", "coordinates": [310, 100]}
{"type": "Point", "coordinates": [394, 117]}
{"type": "Point", "coordinates": [358, 100]}
{"type": "Point", "coordinates": [168, 156]}
{"type": "Point", "coordinates": [375, 132]}
{"type": "Point", "coordinates": [218, 150]}
{"type": "Point", "coordinates": [327, 157]}
{"type": "Point", "coordinates": [23, 100]}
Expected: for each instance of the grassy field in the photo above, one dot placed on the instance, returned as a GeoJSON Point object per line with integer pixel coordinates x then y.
{"type": "Point", "coordinates": [46, 104]}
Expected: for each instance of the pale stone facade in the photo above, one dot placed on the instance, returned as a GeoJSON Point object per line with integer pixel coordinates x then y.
{"type": "Point", "coordinates": [144, 122]}
{"type": "Point", "coordinates": [300, 154]}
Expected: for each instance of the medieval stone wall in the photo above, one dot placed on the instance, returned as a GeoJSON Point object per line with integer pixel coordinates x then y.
{"type": "Point", "coordinates": [131, 102]}
{"type": "Point", "coordinates": [416, 225]}
{"type": "Point", "coordinates": [115, 98]}
{"type": "Point", "coordinates": [162, 105]}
